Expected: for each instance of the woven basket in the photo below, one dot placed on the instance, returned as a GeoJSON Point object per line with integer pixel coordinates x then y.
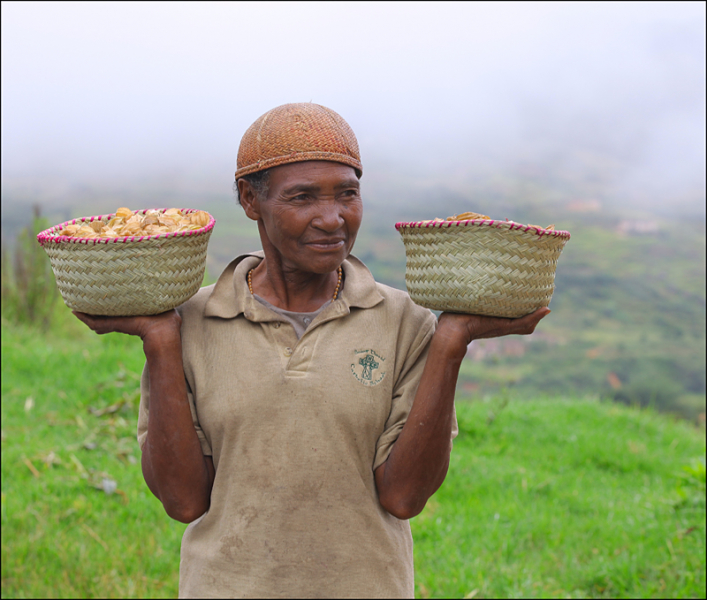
{"type": "Point", "coordinates": [483, 267]}
{"type": "Point", "coordinates": [127, 276]}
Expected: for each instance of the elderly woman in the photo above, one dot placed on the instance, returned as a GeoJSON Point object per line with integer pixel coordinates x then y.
{"type": "Point", "coordinates": [297, 413]}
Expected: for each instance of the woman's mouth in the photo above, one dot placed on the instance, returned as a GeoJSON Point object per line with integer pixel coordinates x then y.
{"type": "Point", "coordinates": [332, 244]}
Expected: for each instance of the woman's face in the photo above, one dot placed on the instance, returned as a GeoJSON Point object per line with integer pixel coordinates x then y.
{"type": "Point", "coordinates": [311, 215]}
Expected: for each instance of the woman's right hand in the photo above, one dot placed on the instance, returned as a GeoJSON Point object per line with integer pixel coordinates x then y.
{"type": "Point", "coordinates": [142, 326]}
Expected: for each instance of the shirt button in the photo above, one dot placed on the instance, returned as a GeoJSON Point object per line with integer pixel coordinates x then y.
{"type": "Point", "coordinates": [288, 351]}
{"type": "Point", "coordinates": [307, 321]}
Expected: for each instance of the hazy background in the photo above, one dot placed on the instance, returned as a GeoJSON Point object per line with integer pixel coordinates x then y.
{"type": "Point", "coordinates": [588, 115]}
{"type": "Point", "coordinates": [141, 96]}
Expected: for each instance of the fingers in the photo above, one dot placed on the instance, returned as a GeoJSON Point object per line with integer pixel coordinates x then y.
{"type": "Point", "coordinates": [98, 324]}
{"type": "Point", "coordinates": [536, 315]}
{"type": "Point", "coordinates": [84, 318]}
{"type": "Point", "coordinates": [138, 325]}
{"type": "Point", "coordinates": [527, 324]}
{"type": "Point", "coordinates": [489, 327]}
{"type": "Point", "coordinates": [102, 324]}
{"type": "Point", "coordinates": [474, 327]}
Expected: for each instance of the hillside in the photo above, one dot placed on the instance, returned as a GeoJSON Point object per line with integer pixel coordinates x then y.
{"type": "Point", "coordinates": [628, 314]}
{"type": "Point", "coordinates": [551, 497]}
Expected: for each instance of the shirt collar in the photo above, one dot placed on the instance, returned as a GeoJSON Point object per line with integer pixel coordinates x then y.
{"type": "Point", "coordinates": [230, 296]}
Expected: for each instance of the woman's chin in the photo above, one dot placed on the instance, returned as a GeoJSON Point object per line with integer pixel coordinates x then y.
{"type": "Point", "coordinates": [322, 265]}
{"type": "Point", "coordinates": [324, 261]}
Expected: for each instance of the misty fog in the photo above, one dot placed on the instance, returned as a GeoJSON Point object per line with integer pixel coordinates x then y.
{"type": "Point", "coordinates": [159, 94]}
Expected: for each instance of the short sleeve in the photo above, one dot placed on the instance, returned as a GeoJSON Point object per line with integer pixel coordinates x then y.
{"type": "Point", "coordinates": [404, 395]}
{"type": "Point", "coordinates": [144, 414]}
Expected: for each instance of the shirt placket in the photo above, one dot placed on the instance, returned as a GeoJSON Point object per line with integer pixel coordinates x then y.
{"type": "Point", "coordinates": [294, 354]}
{"type": "Point", "coordinates": [299, 352]}
{"type": "Point", "coordinates": [285, 340]}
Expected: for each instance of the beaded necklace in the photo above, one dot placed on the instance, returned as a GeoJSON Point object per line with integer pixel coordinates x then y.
{"type": "Point", "coordinates": [336, 291]}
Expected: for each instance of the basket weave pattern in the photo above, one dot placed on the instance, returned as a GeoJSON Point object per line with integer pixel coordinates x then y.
{"type": "Point", "coordinates": [494, 268]}
{"type": "Point", "coordinates": [127, 276]}
{"type": "Point", "coordinates": [295, 133]}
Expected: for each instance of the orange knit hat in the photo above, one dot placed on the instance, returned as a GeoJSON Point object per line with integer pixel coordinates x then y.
{"type": "Point", "coordinates": [295, 133]}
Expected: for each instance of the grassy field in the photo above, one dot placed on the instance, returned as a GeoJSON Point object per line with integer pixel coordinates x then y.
{"type": "Point", "coordinates": [552, 497]}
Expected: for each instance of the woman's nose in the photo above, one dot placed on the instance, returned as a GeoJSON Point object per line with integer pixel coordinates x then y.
{"type": "Point", "coordinates": [329, 217]}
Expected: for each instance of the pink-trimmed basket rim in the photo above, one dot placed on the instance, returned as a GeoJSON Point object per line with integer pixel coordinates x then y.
{"type": "Point", "coordinates": [510, 225]}
{"type": "Point", "coordinates": [47, 235]}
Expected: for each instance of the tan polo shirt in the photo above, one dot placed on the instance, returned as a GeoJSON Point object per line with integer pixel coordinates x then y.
{"type": "Point", "coordinates": [296, 429]}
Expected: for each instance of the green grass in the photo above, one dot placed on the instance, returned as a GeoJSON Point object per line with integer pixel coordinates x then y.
{"type": "Point", "coordinates": [565, 498]}
{"type": "Point", "coordinates": [544, 498]}
{"type": "Point", "coordinates": [61, 536]}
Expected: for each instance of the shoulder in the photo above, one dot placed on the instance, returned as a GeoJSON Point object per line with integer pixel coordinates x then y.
{"type": "Point", "coordinates": [362, 291]}
{"type": "Point", "coordinates": [400, 303]}
{"type": "Point", "coordinates": [195, 306]}
{"type": "Point", "coordinates": [226, 297]}
{"type": "Point", "coordinates": [413, 325]}
{"type": "Point", "coordinates": [392, 305]}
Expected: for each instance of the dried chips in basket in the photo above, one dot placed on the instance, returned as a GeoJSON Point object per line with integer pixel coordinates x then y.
{"type": "Point", "coordinates": [126, 222]}
{"type": "Point", "coordinates": [473, 216]}
{"type": "Point", "coordinates": [131, 262]}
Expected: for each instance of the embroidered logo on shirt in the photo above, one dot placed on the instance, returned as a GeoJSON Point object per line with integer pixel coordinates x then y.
{"type": "Point", "coordinates": [368, 367]}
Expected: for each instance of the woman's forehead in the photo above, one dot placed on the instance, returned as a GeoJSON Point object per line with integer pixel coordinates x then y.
{"type": "Point", "coordinates": [313, 174]}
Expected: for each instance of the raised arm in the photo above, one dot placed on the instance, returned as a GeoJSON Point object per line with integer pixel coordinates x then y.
{"type": "Point", "coordinates": [174, 467]}
{"type": "Point", "coordinates": [419, 460]}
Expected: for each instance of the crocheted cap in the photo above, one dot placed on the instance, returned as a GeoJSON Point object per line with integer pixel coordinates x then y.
{"type": "Point", "coordinates": [295, 133]}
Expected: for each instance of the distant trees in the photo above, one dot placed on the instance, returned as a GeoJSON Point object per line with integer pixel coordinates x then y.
{"type": "Point", "coordinates": [29, 291]}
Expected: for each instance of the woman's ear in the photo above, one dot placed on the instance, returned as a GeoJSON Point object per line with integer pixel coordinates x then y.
{"type": "Point", "coordinates": [249, 200]}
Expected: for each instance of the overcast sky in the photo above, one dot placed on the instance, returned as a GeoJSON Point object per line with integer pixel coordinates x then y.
{"type": "Point", "coordinates": [121, 91]}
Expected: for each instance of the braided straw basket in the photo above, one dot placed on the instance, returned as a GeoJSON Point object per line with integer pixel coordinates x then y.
{"type": "Point", "coordinates": [484, 267]}
{"type": "Point", "coordinates": [127, 276]}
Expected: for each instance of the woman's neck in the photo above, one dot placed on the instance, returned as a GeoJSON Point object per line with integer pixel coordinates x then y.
{"type": "Point", "coordinates": [292, 289]}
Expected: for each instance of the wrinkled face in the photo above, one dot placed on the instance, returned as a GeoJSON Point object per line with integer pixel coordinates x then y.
{"type": "Point", "coordinates": [311, 214]}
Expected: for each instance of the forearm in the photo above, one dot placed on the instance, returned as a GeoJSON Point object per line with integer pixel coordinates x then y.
{"type": "Point", "coordinates": [173, 463]}
{"type": "Point", "coordinates": [419, 460]}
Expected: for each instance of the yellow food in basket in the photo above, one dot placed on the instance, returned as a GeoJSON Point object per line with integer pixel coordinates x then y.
{"type": "Point", "coordinates": [125, 222]}
{"type": "Point", "coordinates": [468, 216]}
{"type": "Point", "coordinates": [465, 216]}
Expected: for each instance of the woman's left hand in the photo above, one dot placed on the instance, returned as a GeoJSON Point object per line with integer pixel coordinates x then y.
{"type": "Point", "coordinates": [463, 329]}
